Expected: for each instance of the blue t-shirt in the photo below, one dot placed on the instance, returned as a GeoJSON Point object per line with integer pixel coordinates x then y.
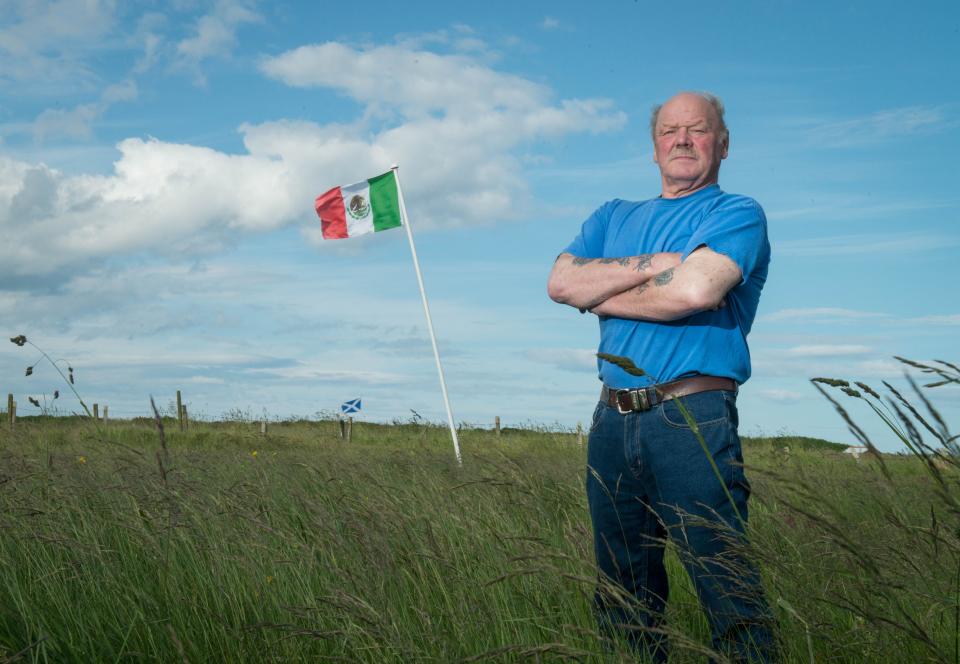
{"type": "Point", "coordinates": [712, 343]}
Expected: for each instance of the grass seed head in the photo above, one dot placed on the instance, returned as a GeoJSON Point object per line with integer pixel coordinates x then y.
{"type": "Point", "coordinates": [833, 382]}
{"type": "Point", "coordinates": [33, 401]}
{"type": "Point", "coordinates": [29, 371]}
{"type": "Point", "coordinates": [624, 363]}
{"type": "Point", "coordinates": [19, 339]}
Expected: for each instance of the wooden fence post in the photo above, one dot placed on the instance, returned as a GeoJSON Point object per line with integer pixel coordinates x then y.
{"type": "Point", "coordinates": [106, 413]}
{"type": "Point", "coordinates": [349, 429]}
{"type": "Point", "coordinates": [496, 424]}
{"type": "Point", "coordinates": [179, 411]}
{"type": "Point", "coordinates": [263, 427]}
{"type": "Point", "coordinates": [579, 434]}
{"type": "Point", "coordinates": [13, 420]}
{"type": "Point", "coordinates": [184, 418]}
{"type": "Point", "coordinates": [10, 409]}
{"type": "Point", "coordinates": [96, 411]}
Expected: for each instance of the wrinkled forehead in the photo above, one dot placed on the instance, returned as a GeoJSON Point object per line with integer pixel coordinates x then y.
{"type": "Point", "coordinates": [687, 110]}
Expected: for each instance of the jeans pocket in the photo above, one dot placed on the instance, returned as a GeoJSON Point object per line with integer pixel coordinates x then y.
{"type": "Point", "coordinates": [704, 408]}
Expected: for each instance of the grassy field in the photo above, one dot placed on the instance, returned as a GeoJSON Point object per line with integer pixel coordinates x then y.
{"type": "Point", "coordinates": [223, 545]}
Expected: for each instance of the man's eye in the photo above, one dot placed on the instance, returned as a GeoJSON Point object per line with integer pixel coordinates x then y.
{"type": "Point", "coordinates": [667, 131]}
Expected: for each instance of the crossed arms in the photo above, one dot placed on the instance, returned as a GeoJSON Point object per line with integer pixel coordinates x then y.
{"type": "Point", "coordinates": [656, 287]}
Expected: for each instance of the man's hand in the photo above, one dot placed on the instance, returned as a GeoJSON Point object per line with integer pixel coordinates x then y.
{"type": "Point", "coordinates": [585, 283]}
{"type": "Point", "coordinates": [700, 283]}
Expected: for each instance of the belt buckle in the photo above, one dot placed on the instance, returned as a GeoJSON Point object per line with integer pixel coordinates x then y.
{"type": "Point", "coordinates": [639, 401]}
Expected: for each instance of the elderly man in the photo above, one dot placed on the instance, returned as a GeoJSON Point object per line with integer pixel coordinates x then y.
{"type": "Point", "coordinates": [674, 282]}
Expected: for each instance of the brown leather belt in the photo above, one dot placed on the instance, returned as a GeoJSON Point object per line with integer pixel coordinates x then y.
{"type": "Point", "coordinates": [645, 398]}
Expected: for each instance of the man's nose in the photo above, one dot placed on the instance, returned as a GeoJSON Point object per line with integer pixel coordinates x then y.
{"type": "Point", "coordinates": [683, 136]}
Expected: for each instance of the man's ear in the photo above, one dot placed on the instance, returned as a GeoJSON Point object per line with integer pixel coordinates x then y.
{"type": "Point", "coordinates": [725, 146]}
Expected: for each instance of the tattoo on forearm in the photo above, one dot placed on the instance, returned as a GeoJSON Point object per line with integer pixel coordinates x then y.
{"type": "Point", "coordinates": [664, 278]}
{"type": "Point", "coordinates": [643, 262]}
{"type": "Point", "coordinates": [642, 287]}
{"type": "Point", "coordinates": [619, 261]}
{"type": "Point", "coordinates": [625, 261]}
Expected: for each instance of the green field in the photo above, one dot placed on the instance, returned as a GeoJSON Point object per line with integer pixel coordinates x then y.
{"type": "Point", "coordinates": [226, 545]}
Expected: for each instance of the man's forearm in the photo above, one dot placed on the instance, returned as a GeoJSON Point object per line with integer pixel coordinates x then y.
{"type": "Point", "coordinates": [654, 300]}
{"type": "Point", "coordinates": [699, 284]}
{"type": "Point", "coordinates": [586, 282]}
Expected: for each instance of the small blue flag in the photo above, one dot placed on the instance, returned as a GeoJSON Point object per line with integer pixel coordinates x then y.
{"type": "Point", "coordinates": [352, 406]}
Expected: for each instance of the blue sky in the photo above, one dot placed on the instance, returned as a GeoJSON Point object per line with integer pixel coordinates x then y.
{"type": "Point", "coordinates": [158, 164]}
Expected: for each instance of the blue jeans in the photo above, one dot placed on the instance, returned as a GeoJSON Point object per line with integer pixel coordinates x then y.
{"type": "Point", "coordinates": [648, 479]}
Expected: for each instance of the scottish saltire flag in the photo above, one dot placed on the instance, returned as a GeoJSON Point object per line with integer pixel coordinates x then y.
{"type": "Point", "coordinates": [352, 406]}
{"type": "Point", "coordinates": [357, 209]}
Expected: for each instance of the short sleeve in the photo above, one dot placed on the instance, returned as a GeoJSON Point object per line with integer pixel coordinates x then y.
{"type": "Point", "coordinates": [738, 230]}
{"type": "Point", "coordinates": [589, 243]}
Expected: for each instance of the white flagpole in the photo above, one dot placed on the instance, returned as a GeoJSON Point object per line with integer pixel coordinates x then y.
{"type": "Point", "coordinates": [426, 309]}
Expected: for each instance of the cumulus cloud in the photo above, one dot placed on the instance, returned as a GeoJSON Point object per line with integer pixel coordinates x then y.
{"type": "Point", "coordinates": [460, 123]}
{"type": "Point", "coordinates": [418, 83]}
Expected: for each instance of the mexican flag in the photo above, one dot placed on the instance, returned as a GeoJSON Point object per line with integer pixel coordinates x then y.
{"type": "Point", "coordinates": [370, 206]}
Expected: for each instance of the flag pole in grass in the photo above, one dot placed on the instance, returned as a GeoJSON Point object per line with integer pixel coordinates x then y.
{"type": "Point", "coordinates": [426, 310]}
{"type": "Point", "coordinates": [369, 207]}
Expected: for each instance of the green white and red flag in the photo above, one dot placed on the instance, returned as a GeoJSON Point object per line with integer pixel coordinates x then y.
{"type": "Point", "coordinates": [370, 206]}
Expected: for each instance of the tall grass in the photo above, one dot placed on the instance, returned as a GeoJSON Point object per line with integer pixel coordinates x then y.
{"type": "Point", "coordinates": [235, 547]}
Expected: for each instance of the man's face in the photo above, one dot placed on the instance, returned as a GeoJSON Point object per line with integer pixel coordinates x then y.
{"type": "Point", "coordinates": [688, 144]}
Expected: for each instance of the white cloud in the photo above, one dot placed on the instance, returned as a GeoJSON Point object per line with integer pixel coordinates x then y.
{"type": "Point", "coordinates": [821, 313]}
{"type": "Point", "coordinates": [883, 125]}
{"type": "Point", "coordinates": [215, 35]}
{"type": "Point", "coordinates": [851, 207]}
{"type": "Point", "coordinates": [311, 372]}
{"type": "Point", "coordinates": [43, 42]}
{"type": "Point", "coordinates": [949, 319]}
{"type": "Point", "coordinates": [206, 380]}
{"type": "Point", "coordinates": [837, 315]}
{"type": "Point", "coordinates": [161, 196]}
{"type": "Point", "coordinates": [828, 350]}
{"type": "Point", "coordinates": [74, 123]}
{"type": "Point", "coordinates": [568, 359]}
{"type": "Point", "coordinates": [550, 23]}
{"type": "Point", "coordinates": [167, 197]}
{"type": "Point", "coordinates": [781, 396]}
{"type": "Point", "coordinates": [842, 245]}
{"type": "Point", "coordinates": [419, 82]}
{"type": "Point", "coordinates": [78, 122]}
